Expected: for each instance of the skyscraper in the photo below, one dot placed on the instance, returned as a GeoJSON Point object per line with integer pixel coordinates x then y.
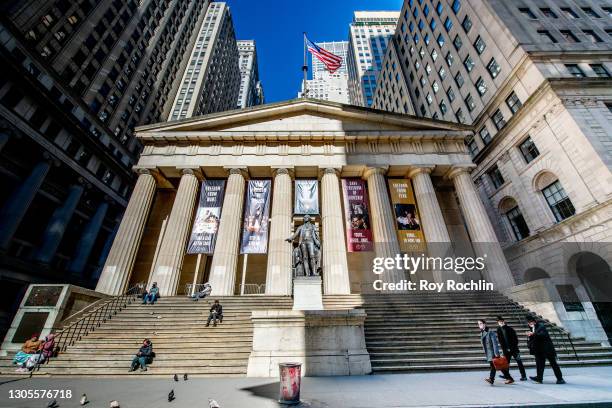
{"type": "Point", "coordinates": [77, 77]}
{"type": "Point", "coordinates": [325, 85]}
{"type": "Point", "coordinates": [369, 34]}
{"type": "Point", "coordinates": [251, 90]}
{"type": "Point", "coordinates": [533, 80]}
{"type": "Point", "coordinates": [211, 81]}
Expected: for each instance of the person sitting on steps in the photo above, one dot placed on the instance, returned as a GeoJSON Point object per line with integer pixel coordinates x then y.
{"type": "Point", "coordinates": [216, 313]}
{"type": "Point", "coordinates": [143, 357]}
{"type": "Point", "coordinates": [152, 295]}
{"type": "Point", "coordinates": [203, 293]}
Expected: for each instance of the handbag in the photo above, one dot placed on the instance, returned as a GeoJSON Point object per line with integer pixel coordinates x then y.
{"type": "Point", "coordinates": [501, 363]}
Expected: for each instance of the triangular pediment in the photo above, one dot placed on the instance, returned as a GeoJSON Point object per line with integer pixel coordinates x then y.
{"type": "Point", "coordinates": [298, 115]}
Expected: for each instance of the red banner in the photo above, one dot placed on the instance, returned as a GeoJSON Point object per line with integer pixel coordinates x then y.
{"type": "Point", "coordinates": [358, 229]}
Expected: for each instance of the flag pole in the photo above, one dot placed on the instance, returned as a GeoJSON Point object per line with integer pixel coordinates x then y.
{"type": "Point", "coordinates": [305, 70]}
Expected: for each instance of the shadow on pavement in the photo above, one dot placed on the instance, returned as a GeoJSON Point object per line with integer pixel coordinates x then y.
{"type": "Point", "coordinates": [271, 392]}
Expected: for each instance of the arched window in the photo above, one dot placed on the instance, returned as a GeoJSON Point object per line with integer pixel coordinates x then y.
{"type": "Point", "coordinates": [555, 195]}
{"type": "Point", "coordinates": [509, 207]}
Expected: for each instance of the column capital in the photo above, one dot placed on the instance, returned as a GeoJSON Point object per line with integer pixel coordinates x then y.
{"type": "Point", "coordinates": [369, 171]}
{"type": "Point", "coordinates": [194, 171]}
{"type": "Point", "coordinates": [419, 170]}
{"type": "Point", "coordinates": [142, 170]}
{"type": "Point", "coordinates": [329, 170]}
{"type": "Point", "coordinates": [283, 170]}
{"type": "Point", "coordinates": [456, 170]}
{"type": "Point", "coordinates": [242, 170]}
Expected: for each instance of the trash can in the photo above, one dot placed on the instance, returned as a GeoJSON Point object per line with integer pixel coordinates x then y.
{"type": "Point", "coordinates": [290, 382]}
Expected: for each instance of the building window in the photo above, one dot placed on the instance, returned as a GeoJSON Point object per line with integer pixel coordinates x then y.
{"type": "Point", "coordinates": [480, 45]}
{"type": "Point", "coordinates": [589, 12]}
{"type": "Point", "coordinates": [459, 115]}
{"type": "Point", "coordinates": [485, 136]}
{"type": "Point", "coordinates": [472, 146]}
{"type": "Point", "coordinates": [592, 36]}
{"type": "Point", "coordinates": [442, 73]}
{"type": "Point", "coordinates": [493, 68]}
{"type": "Point", "coordinates": [448, 24]}
{"type": "Point", "coordinates": [498, 119]}
{"type": "Point", "coordinates": [574, 70]}
{"type": "Point", "coordinates": [443, 108]}
{"type": "Point", "coordinates": [434, 55]}
{"type": "Point", "coordinates": [569, 36]}
{"type": "Point", "coordinates": [439, 8]}
{"type": "Point", "coordinates": [457, 42]}
{"type": "Point", "coordinates": [451, 94]}
{"type": "Point", "coordinates": [459, 79]}
{"type": "Point", "coordinates": [527, 12]}
{"type": "Point", "coordinates": [449, 58]}
{"type": "Point", "coordinates": [429, 99]}
{"type": "Point", "coordinates": [495, 176]}
{"type": "Point", "coordinates": [481, 86]}
{"type": "Point", "coordinates": [468, 62]}
{"type": "Point", "coordinates": [469, 102]}
{"type": "Point", "coordinates": [435, 86]}
{"type": "Point", "coordinates": [456, 6]}
{"type": "Point", "coordinates": [545, 36]}
{"type": "Point", "coordinates": [466, 24]}
{"type": "Point", "coordinates": [440, 40]}
{"type": "Point", "coordinates": [569, 13]}
{"type": "Point", "coordinates": [518, 224]}
{"type": "Point", "coordinates": [513, 102]}
{"type": "Point", "coordinates": [529, 150]}
{"type": "Point", "coordinates": [600, 70]}
{"type": "Point", "coordinates": [608, 10]}
{"type": "Point", "coordinates": [558, 201]}
{"type": "Point", "coordinates": [548, 12]}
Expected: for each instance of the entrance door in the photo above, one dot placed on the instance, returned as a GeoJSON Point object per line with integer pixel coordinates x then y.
{"type": "Point", "coordinates": [595, 274]}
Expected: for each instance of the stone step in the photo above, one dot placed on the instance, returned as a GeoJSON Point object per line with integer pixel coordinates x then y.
{"type": "Point", "coordinates": [473, 366]}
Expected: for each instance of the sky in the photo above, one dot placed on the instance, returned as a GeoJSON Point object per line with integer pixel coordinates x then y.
{"type": "Point", "coordinates": [277, 26]}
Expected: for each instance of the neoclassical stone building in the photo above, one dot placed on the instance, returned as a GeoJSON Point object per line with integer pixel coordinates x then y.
{"type": "Point", "coordinates": [285, 142]}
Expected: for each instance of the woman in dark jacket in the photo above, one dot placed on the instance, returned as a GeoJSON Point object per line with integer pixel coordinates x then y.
{"type": "Point", "coordinates": [143, 357]}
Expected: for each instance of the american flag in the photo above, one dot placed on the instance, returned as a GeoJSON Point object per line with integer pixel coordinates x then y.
{"type": "Point", "coordinates": [332, 61]}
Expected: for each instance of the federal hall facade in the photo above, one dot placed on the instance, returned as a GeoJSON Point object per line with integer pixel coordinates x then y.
{"type": "Point", "coordinates": [285, 142]}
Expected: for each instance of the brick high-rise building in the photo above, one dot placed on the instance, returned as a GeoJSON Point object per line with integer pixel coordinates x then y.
{"type": "Point", "coordinates": [533, 80]}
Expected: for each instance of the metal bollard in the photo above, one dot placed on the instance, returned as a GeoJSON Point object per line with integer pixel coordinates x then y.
{"type": "Point", "coordinates": [290, 382]}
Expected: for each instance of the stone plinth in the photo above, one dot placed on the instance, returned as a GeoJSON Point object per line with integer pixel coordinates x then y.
{"type": "Point", "coordinates": [326, 342]}
{"type": "Point", "coordinates": [307, 293]}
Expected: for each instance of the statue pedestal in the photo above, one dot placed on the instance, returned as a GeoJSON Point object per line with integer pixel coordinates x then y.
{"type": "Point", "coordinates": [307, 293]}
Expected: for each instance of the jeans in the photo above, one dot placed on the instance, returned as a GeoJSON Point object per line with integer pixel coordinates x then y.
{"type": "Point", "coordinates": [149, 297]}
{"type": "Point", "coordinates": [197, 296]}
{"type": "Point", "coordinates": [506, 373]}
{"type": "Point", "coordinates": [541, 362]}
{"type": "Point", "coordinates": [139, 361]}
{"type": "Point", "coordinates": [214, 317]}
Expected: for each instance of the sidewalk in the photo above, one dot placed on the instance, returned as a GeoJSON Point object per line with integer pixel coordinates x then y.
{"type": "Point", "coordinates": [466, 389]}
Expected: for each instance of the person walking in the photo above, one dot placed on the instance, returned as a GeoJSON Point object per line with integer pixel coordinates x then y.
{"type": "Point", "coordinates": [216, 313]}
{"type": "Point", "coordinates": [542, 348]}
{"type": "Point", "coordinates": [490, 345]}
{"type": "Point", "coordinates": [508, 340]}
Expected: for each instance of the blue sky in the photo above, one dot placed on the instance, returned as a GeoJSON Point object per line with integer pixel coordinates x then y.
{"type": "Point", "coordinates": [277, 27]}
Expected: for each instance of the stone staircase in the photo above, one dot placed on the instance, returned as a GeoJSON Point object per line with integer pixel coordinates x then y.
{"type": "Point", "coordinates": [181, 343]}
{"type": "Point", "coordinates": [438, 332]}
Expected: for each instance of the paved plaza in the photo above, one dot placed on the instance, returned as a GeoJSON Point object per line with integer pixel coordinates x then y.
{"type": "Point", "coordinates": [585, 387]}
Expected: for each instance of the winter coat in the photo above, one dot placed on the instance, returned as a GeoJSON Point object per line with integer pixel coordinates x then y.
{"type": "Point", "coordinates": [509, 343]}
{"type": "Point", "coordinates": [540, 342]}
{"type": "Point", "coordinates": [216, 308]}
{"type": "Point", "coordinates": [488, 338]}
{"type": "Point", "coordinates": [48, 346]}
{"type": "Point", "coordinates": [31, 347]}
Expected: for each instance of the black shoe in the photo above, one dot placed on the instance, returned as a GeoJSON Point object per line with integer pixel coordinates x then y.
{"type": "Point", "coordinates": [502, 376]}
{"type": "Point", "coordinates": [143, 369]}
{"type": "Point", "coordinates": [523, 378]}
{"type": "Point", "coordinates": [535, 379]}
{"type": "Point", "coordinates": [207, 324]}
{"type": "Point", "coordinates": [561, 381]}
{"type": "Point", "coordinates": [490, 381]}
{"type": "Point", "coordinates": [214, 324]}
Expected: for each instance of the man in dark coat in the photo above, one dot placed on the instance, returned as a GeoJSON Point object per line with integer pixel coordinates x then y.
{"type": "Point", "coordinates": [542, 348]}
{"type": "Point", "coordinates": [508, 340]}
{"type": "Point", "coordinates": [143, 357]}
{"type": "Point", "coordinates": [490, 345]}
{"type": "Point", "coordinates": [216, 313]}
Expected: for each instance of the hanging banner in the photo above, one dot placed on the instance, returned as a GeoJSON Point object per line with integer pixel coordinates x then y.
{"type": "Point", "coordinates": [256, 217]}
{"type": "Point", "coordinates": [358, 229]}
{"type": "Point", "coordinates": [407, 220]}
{"type": "Point", "coordinates": [306, 197]}
{"type": "Point", "coordinates": [206, 223]}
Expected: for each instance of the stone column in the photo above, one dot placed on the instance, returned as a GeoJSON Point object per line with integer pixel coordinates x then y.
{"type": "Point", "coordinates": [335, 267]}
{"type": "Point", "coordinates": [382, 221]}
{"type": "Point", "coordinates": [120, 261]}
{"type": "Point", "coordinates": [432, 220]}
{"type": "Point", "coordinates": [225, 258]}
{"type": "Point", "coordinates": [167, 269]}
{"type": "Point", "coordinates": [481, 231]}
{"type": "Point", "coordinates": [57, 225]}
{"type": "Point", "coordinates": [87, 240]}
{"type": "Point", "coordinates": [279, 272]}
{"type": "Point", "coordinates": [17, 205]}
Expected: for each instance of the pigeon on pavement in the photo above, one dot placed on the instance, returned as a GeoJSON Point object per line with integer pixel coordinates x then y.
{"type": "Point", "coordinates": [114, 404]}
{"type": "Point", "coordinates": [83, 400]}
{"type": "Point", "coordinates": [185, 377]}
{"type": "Point", "coordinates": [171, 396]}
{"type": "Point", "coordinates": [213, 404]}
{"type": "Point", "coordinates": [53, 404]}
{"type": "Point", "coordinates": [175, 377]}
